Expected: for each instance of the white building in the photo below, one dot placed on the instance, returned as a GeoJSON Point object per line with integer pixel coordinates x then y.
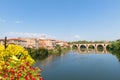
{"type": "Point", "coordinates": [1, 41]}
{"type": "Point", "coordinates": [17, 42]}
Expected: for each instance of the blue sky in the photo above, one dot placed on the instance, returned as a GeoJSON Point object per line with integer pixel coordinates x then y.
{"type": "Point", "coordinates": [61, 19]}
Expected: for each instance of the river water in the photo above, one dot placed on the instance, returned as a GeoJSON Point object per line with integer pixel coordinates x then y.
{"type": "Point", "coordinates": [80, 66]}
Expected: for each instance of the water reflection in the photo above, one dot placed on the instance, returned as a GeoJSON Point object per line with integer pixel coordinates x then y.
{"type": "Point", "coordinates": [78, 65]}
{"type": "Point", "coordinates": [48, 60]}
{"type": "Point", "coordinates": [117, 54]}
{"type": "Point", "coordinates": [51, 58]}
{"type": "Point", "coordinates": [91, 51]}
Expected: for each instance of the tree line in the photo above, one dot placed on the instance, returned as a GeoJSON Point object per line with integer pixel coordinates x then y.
{"type": "Point", "coordinates": [42, 53]}
{"type": "Point", "coordinates": [114, 48]}
{"type": "Point", "coordinates": [85, 42]}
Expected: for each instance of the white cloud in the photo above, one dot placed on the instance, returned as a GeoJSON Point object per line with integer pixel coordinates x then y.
{"type": "Point", "coordinates": [17, 22]}
{"type": "Point", "coordinates": [4, 21]}
{"type": "Point", "coordinates": [77, 36]}
{"type": "Point", "coordinates": [24, 34]}
{"type": "Point", "coordinates": [27, 34]}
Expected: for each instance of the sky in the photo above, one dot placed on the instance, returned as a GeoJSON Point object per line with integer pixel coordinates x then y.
{"type": "Point", "coordinates": [69, 20]}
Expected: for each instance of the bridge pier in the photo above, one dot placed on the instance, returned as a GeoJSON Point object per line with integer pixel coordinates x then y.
{"type": "Point", "coordinates": [78, 47]}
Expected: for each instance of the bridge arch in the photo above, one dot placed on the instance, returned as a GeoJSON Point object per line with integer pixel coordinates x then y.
{"type": "Point", "coordinates": [87, 46]}
{"type": "Point", "coordinates": [91, 46]}
{"type": "Point", "coordinates": [74, 46]}
{"type": "Point", "coordinates": [100, 47]}
{"type": "Point", "coordinates": [83, 47]}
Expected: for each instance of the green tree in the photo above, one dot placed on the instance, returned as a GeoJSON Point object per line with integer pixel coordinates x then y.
{"type": "Point", "coordinates": [58, 48]}
{"type": "Point", "coordinates": [41, 53]}
{"type": "Point", "coordinates": [114, 48]}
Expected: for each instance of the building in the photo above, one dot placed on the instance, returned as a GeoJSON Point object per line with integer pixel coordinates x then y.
{"type": "Point", "coordinates": [62, 43]}
{"type": "Point", "coordinates": [17, 41]}
{"type": "Point", "coordinates": [47, 43]}
{"type": "Point", "coordinates": [30, 42]}
{"type": "Point", "coordinates": [2, 41]}
{"type": "Point", "coordinates": [42, 42]}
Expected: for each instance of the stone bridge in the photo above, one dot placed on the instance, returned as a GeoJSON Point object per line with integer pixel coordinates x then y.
{"type": "Point", "coordinates": [87, 45]}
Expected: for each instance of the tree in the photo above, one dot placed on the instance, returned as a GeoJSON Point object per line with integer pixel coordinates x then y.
{"type": "Point", "coordinates": [115, 48]}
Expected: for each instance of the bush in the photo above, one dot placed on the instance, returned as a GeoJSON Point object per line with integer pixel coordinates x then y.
{"type": "Point", "coordinates": [114, 48]}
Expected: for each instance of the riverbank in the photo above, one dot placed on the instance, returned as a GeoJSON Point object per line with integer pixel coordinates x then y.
{"type": "Point", "coordinates": [43, 53]}
{"type": "Point", "coordinates": [114, 48]}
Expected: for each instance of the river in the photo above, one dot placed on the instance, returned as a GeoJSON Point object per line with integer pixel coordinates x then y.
{"type": "Point", "coordinates": [80, 66]}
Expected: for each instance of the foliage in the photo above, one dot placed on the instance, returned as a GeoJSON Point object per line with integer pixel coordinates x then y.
{"type": "Point", "coordinates": [114, 48]}
{"type": "Point", "coordinates": [42, 53]}
{"type": "Point", "coordinates": [51, 51]}
{"type": "Point", "coordinates": [91, 47]}
{"type": "Point", "coordinates": [58, 48]}
{"type": "Point", "coordinates": [74, 47]}
{"type": "Point", "coordinates": [85, 42]}
{"type": "Point", "coordinates": [31, 52]}
{"type": "Point", "coordinates": [16, 63]}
